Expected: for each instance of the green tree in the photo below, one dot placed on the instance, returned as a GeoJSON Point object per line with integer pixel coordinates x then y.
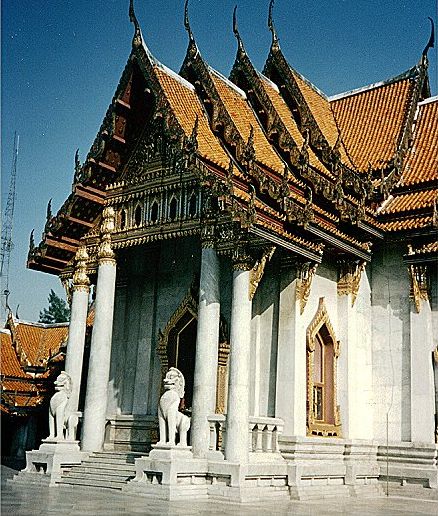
{"type": "Point", "coordinates": [57, 312]}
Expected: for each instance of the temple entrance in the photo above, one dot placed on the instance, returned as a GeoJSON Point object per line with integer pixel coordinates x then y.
{"type": "Point", "coordinates": [181, 352]}
{"type": "Point", "coordinates": [177, 348]}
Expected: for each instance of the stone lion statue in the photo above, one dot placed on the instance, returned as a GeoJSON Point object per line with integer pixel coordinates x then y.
{"type": "Point", "coordinates": [62, 425]}
{"type": "Point", "coordinates": [170, 420]}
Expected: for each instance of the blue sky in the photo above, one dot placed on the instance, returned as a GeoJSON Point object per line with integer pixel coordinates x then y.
{"type": "Point", "coordinates": [61, 62]}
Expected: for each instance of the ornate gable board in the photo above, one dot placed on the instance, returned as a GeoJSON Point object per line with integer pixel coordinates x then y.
{"type": "Point", "coordinates": [299, 157]}
{"type": "Point", "coordinates": [244, 151]}
{"type": "Point", "coordinates": [348, 178]}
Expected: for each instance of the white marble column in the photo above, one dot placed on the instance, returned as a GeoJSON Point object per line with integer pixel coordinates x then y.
{"type": "Point", "coordinates": [236, 444]}
{"type": "Point", "coordinates": [77, 327]}
{"type": "Point", "coordinates": [93, 431]}
{"type": "Point", "coordinates": [207, 340]}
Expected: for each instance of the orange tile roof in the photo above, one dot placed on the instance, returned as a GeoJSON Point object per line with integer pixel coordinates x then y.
{"type": "Point", "coordinates": [422, 160]}
{"type": "Point", "coordinates": [186, 107]}
{"type": "Point", "coordinates": [40, 341]}
{"type": "Point", "coordinates": [244, 117]}
{"type": "Point", "coordinates": [431, 247]}
{"type": "Point", "coordinates": [403, 224]}
{"type": "Point", "coordinates": [321, 110]}
{"type": "Point", "coordinates": [37, 342]}
{"type": "Point", "coordinates": [372, 121]}
{"type": "Point", "coordinates": [410, 201]}
{"type": "Point", "coordinates": [319, 106]}
{"type": "Point", "coordinates": [286, 117]}
{"type": "Point", "coordinates": [10, 364]}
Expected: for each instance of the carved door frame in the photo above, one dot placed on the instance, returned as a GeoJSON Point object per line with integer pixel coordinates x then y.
{"type": "Point", "coordinates": [314, 427]}
{"type": "Point", "coordinates": [190, 305]}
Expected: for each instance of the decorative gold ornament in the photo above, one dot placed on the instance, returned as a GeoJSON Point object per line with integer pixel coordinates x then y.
{"type": "Point", "coordinates": [349, 279]}
{"type": "Point", "coordinates": [306, 273]}
{"type": "Point", "coordinates": [107, 227]}
{"type": "Point", "coordinates": [80, 277]}
{"type": "Point", "coordinates": [258, 270]}
{"type": "Point", "coordinates": [419, 285]}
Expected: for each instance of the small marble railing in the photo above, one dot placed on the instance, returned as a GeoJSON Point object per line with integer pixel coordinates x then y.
{"type": "Point", "coordinates": [263, 433]}
{"type": "Point", "coordinates": [217, 424]}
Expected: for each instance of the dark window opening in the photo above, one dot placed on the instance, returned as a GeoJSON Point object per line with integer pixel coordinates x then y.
{"type": "Point", "coordinates": [173, 209]}
{"type": "Point", "coordinates": [137, 216]}
{"type": "Point", "coordinates": [192, 205]}
{"type": "Point", "coordinates": [123, 219]}
{"type": "Point", "coordinates": [154, 212]}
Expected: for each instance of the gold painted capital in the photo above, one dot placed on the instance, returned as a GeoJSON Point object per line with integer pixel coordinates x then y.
{"type": "Point", "coordinates": [105, 252]}
{"type": "Point", "coordinates": [80, 277]}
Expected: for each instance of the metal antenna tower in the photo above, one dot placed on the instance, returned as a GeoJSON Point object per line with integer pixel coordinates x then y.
{"type": "Point", "coordinates": [6, 238]}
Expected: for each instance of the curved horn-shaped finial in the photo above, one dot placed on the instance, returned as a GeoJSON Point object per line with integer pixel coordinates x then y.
{"type": "Point", "coordinates": [136, 40]}
{"type": "Point", "coordinates": [271, 24]}
{"type": "Point", "coordinates": [431, 42]}
{"type": "Point", "coordinates": [236, 30]}
{"type": "Point", "coordinates": [186, 20]}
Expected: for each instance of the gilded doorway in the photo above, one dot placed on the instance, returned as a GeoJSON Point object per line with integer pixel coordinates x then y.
{"type": "Point", "coordinates": [177, 348]}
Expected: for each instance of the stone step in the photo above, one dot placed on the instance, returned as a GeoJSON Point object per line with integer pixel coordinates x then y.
{"type": "Point", "coordinates": [109, 460]}
{"type": "Point", "coordinates": [117, 455]}
{"type": "Point", "coordinates": [96, 476]}
{"type": "Point", "coordinates": [104, 469]}
{"type": "Point", "coordinates": [88, 482]}
{"type": "Point", "coordinates": [107, 469]}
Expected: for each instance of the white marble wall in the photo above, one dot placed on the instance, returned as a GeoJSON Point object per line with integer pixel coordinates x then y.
{"type": "Point", "coordinates": [391, 344]}
{"type": "Point", "coordinates": [355, 395]}
{"type": "Point", "coordinates": [422, 376]}
{"type": "Point", "coordinates": [264, 338]}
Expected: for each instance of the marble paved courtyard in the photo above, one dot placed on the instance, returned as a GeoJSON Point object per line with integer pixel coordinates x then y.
{"type": "Point", "coordinates": [73, 501]}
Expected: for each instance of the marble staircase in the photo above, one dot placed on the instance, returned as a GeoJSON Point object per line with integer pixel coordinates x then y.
{"type": "Point", "coordinates": [106, 469]}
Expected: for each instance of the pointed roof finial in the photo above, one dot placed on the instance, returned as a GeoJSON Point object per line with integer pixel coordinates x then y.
{"type": "Point", "coordinates": [431, 42]}
{"type": "Point", "coordinates": [136, 40]}
{"type": "Point", "coordinates": [236, 30]}
{"type": "Point", "coordinates": [187, 21]}
{"type": "Point", "coordinates": [271, 25]}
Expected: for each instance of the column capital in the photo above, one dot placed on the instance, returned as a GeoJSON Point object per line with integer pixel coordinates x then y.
{"type": "Point", "coordinates": [81, 280]}
{"type": "Point", "coordinates": [208, 235]}
{"type": "Point", "coordinates": [105, 253]}
{"type": "Point", "coordinates": [242, 259]}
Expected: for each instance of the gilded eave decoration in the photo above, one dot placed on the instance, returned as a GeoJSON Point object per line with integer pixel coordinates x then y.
{"type": "Point", "coordinates": [419, 285]}
{"type": "Point", "coordinates": [258, 270]}
{"type": "Point", "coordinates": [350, 273]}
{"type": "Point", "coordinates": [306, 273]}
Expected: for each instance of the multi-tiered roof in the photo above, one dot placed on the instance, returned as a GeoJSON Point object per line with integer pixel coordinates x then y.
{"type": "Point", "coordinates": [312, 173]}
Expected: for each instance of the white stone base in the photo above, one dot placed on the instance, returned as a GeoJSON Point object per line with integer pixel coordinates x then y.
{"type": "Point", "coordinates": [45, 465]}
{"type": "Point", "coordinates": [409, 463]}
{"type": "Point", "coordinates": [321, 467]}
{"type": "Point", "coordinates": [171, 473]}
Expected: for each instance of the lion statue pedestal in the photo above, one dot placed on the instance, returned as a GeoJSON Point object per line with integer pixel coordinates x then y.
{"type": "Point", "coordinates": [60, 449]}
{"type": "Point", "coordinates": [159, 475]}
